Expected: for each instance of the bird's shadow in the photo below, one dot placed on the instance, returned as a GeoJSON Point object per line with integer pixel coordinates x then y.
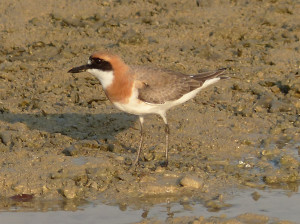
{"type": "Point", "coordinates": [75, 125]}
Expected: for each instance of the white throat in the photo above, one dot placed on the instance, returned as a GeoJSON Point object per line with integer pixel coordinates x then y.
{"type": "Point", "coordinates": [105, 77]}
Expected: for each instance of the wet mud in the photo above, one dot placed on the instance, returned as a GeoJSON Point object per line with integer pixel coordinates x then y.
{"type": "Point", "coordinates": [61, 139]}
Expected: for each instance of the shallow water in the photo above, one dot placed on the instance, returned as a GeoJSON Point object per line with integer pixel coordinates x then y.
{"type": "Point", "coordinates": [273, 203]}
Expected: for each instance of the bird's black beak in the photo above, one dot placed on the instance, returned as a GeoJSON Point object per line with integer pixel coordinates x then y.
{"type": "Point", "coordinates": [81, 68]}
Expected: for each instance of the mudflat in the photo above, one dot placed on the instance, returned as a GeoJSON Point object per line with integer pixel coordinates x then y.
{"type": "Point", "coordinates": [61, 138]}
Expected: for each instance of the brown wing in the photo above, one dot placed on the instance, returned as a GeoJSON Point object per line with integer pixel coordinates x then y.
{"type": "Point", "coordinates": [203, 76]}
{"type": "Point", "coordinates": [160, 85]}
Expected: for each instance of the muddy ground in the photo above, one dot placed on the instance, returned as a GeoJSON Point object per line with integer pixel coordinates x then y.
{"type": "Point", "coordinates": [61, 138]}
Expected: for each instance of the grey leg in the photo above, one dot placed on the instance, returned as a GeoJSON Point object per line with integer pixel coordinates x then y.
{"type": "Point", "coordinates": [141, 118]}
{"type": "Point", "coordinates": [167, 132]}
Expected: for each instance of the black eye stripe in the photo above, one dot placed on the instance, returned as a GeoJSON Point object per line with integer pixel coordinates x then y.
{"type": "Point", "coordinates": [95, 60]}
{"type": "Point", "coordinates": [99, 63]}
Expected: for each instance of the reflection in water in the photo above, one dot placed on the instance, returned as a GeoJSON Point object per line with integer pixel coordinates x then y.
{"type": "Point", "coordinates": [40, 205]}
{"type": "Point", "coordinates": [274, 203]}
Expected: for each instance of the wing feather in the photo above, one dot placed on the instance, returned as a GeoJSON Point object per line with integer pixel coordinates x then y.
{"type": "Point", "coordinates": [161, 85]}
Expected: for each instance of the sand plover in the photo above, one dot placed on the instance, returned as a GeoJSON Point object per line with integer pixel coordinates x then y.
{"type": "Point", "coordinates": [144, 90]}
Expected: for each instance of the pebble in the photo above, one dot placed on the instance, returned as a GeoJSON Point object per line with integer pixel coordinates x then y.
{"type": "Point", "coordinates": [148, 156]}
{"type": "Point", "coordinates": [278, 106]}
{"type": "Point", "coordinates": [69, 192]}
{"type": "Point", "coordinates": [191, 181]}
{"type": "Point", "coordinates": [5, 137]}
{"type": "Point", "coordinates": [71, 150]}
{"type": "Point", "coordinates": [255, 195]}
{"type": "Point", "coordinates": [214, 205]}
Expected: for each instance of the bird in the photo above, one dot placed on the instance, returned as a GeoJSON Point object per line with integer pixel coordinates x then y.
{"type": "Point", "coordinates": [142, 90]}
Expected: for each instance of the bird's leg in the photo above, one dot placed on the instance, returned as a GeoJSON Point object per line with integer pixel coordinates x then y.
{"type": "Point", "coordinates": [167, 132]}
{"type": "Point", "coordinates": [141, 141]}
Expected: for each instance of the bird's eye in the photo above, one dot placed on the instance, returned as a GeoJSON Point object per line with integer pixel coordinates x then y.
{"type": "Point", "coordinates": [98, 60]}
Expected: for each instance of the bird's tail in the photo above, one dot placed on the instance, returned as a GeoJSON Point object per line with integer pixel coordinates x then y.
{"type": "Point", "coordinates": [203, 76]}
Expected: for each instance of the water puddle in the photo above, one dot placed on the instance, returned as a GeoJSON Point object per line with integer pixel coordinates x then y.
{"type": "Point", "coordinates": [281, 204]}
